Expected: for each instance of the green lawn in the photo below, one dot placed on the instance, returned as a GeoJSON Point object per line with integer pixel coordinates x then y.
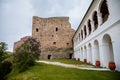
{"type": "Point", "coordinates": [43, 71]}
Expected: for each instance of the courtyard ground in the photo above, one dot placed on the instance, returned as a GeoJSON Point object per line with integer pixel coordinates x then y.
{"type": "Point", "coordinates": [43, 71]}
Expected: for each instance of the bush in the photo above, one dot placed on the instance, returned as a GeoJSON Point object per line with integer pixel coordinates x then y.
{"type": "Point", "coordinates": [5, 68]}
{"type": "Point", "coordinates": [5, 62]}
{"type": "Point", "coordinates": [26, 54]}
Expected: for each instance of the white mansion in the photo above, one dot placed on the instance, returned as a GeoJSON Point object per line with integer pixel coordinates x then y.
{"type": "Point", "coordinates": [98, 35]}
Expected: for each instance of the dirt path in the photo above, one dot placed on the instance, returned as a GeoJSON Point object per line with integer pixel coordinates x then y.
{"type": "Point", "coordinates": [74, 66]}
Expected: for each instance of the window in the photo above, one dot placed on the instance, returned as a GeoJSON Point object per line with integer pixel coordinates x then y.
{"type": "Point", "coordinates": [79, 36]}
{"type": "Point", "coordinates": [89, 27]}
{"type": "Point", "coordinates": [95, 19]}
{"type": "Point", "coordinates": [56, 29]}
{"type": "Point", "coordinates": [82, 34]}
{"type": "Point", "coordinates": [104, 10]}
{"type": "Point", "coordinates": [85, 31]}
{"type": "Point", "coordinates": [36, 29]}
{"type": "Point", "coordinates": [52, 35]}
{"type": "Point", "coordinates": [54, 42]}
{"type": "Point", "coordinates": [67, 44]}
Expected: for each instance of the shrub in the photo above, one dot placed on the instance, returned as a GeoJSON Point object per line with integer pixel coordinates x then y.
{"type": "Point", "coordinates": [5, 68]}
{"type": "Point", "coordinates": [26, 54]}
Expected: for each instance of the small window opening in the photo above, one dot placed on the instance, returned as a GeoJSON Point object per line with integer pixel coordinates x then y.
{"type": "Point", "coordinates": [54, 42]}
{"type": "Point", "coordinates": [52, 35]}
{"type": "Point", "coordinates": [56, 29]}
{"type": "Point", "coordinates": [67, 44]}
{"type": "Point", "coordinates": [36, 29]}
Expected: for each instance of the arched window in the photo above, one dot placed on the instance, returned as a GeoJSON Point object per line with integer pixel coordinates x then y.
{"type": "Point", "coordinates": [82, 34]}
{"type": "Point", "coordinates": [95, 19]}
{"type": "Point", "coordinates": [79, 36]}
{"type": "Point", "coordinates": [104, 10]}
{"type": "Point", "coordinates": [89, 27]}
{"type": "Point", "coordinates": [85, 31]}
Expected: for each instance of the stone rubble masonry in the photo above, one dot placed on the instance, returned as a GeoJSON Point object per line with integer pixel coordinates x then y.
{"type": "Point", "coordinates": [19, 43]}
{"type": "Point", "coordinates": [54, 34]}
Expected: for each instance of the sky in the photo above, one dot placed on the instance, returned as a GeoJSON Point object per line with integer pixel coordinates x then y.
{"type": "Point", "coordinates": [16, 16]}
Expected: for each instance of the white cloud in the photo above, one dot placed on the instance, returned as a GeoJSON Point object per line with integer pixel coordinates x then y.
{"type": "Point", "coordinates": [16, 15]}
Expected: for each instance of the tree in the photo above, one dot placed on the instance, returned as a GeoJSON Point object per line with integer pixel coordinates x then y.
{"type": "Point", "coordinates": [3, 48]}
{"type": "Point", "coordinates": [26, 54]}
{"type": "Point", "coordinates": [5, 64]}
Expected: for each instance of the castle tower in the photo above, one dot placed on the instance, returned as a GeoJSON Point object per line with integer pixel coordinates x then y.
{"type": "Point", "coordinates": [55, 36]}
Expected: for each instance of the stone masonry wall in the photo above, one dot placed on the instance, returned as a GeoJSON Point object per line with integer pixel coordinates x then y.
{"type": "Point", "coordinates": [54, 34]}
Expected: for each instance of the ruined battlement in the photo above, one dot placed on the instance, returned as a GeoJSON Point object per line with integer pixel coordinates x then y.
{"type": "Point", "coordinates": [52, 18]}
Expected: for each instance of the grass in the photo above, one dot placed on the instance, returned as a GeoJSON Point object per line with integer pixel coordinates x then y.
{"type": "Point", "coordinates": [43, 71]}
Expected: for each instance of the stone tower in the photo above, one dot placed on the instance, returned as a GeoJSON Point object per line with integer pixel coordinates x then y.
{"type": "Point", "coordinates": [55, 36]}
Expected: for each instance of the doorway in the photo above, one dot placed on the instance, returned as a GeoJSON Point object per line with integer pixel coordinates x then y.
{"type": "Point", "coordinates": [49, 56]}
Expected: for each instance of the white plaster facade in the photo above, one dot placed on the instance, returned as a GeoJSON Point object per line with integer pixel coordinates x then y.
{"type": "Point", "coordinates": [98, 35]}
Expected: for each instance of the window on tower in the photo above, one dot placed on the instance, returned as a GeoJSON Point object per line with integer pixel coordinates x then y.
{"type": "Point", "coordinates": [36, 29]}
{"type": "Point", "coordinates": [54, 43]}
{"type": "Point", "coordinates": [56, 29]}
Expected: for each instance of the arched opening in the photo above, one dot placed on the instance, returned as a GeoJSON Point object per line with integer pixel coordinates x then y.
{"type": "Point", "coordinates": [70, 56]}
{"type": "Point", "coordinates": [104, 10]}
{"type": "Point", "coordinates": [95, 19]}
{"type": "Point", "coordinates": [90, 53]}
{"type": "Point", "coordinates": [108, 50]}
{"type": "Point", "coordinates": [81, 55]}
{"type": "Point", "coordinates": [96, 52]}
{"type": "Point", "coordinates": [89, 27]}
{"type": "Point", "coordinates": [82, 34]}
{"type": "Point", "coordinates": [85, 31]}
{"type": "Point", "coordinates": [79, 37]}
{"type": "Point", "coordinates": [85, 54]}
{"type": "Point", "coordinates": [54, 43]}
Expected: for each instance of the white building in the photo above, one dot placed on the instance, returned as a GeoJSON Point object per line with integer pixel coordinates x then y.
{"type": "Point", "coordinates": [98, 35]}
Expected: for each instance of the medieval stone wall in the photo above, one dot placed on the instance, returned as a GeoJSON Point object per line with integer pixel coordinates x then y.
{"type": "Point", "coordinates": [54, 34]}
{"type": "Point", "coordinates": [19, 43]}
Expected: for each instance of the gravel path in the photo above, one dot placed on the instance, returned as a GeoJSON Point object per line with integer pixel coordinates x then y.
{"type": "Point", "coordinates": [74, 66]}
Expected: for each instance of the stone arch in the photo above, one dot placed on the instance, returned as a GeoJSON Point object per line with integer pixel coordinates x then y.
{"type": "Point", "coordinates": [108, 50]}
{"type": "Point", "coordinates": [85, 54]}
{"type": "Point", "coordinates": [95, 19]}
{"type": "Point", "coordinates": [104, 10]}
{"type": "Point", "coordinates": [85, 31]}
{"type": "Point", "coordinates": [89, 53]}
{"type": "Point", "coordinates": [96, 51]}
{"type": "Point", "coordinates": [89, 27]}
{"type": "Point", "coordinates": [81, 55]}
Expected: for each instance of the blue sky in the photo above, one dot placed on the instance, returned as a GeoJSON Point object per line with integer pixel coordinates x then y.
{"type": "Point", "coordinates": [16, 15]}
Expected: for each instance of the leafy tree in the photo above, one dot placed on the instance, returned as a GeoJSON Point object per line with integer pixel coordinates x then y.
{"type": "Point", "coordinates": [5, 63]}
{"type": "Point", "coordinates": [26, 54]}
{"type": "Point", "coordinates": [3, 48]}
